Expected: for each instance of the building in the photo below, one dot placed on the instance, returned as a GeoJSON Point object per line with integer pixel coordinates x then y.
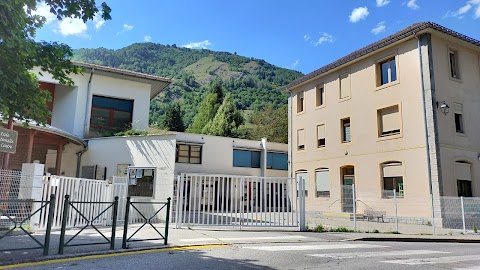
{"type": "Point", "coordinates": [102, 101]}
{"type": "Point", "coordinates": [399, 114]}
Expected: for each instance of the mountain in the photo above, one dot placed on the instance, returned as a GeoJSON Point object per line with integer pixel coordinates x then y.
{"type": "Point", "coordinates": [254, 83]}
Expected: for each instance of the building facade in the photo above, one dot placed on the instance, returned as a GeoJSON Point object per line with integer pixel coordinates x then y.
{"type": "Point", "coordinates": [395, 116]}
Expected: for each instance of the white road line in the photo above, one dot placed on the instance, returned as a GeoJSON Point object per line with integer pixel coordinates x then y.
{"type": "Point", "coordinates": [245, 238]}
{"type": "Point", "coordinates": [314, 247]}
{"type": "Point", "coordinates": [449, 259]}
{"type": "Point", "coordinates": [354, 255]}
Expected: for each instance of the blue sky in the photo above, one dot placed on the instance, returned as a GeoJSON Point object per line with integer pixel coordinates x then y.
{"type": "Point", "coordinates": [301, 35]}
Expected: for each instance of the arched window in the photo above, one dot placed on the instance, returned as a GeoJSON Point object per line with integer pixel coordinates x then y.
{"type": "Point", "coordinates": [392, 178]}
{"type": "Point", "coordinates": [302, 175]}
{"type": "Point", "coordinates": [463, 175]}
{"type": "Point", "coordinates": [322, 182]}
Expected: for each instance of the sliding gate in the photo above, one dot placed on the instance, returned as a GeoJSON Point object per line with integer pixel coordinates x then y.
{"type": "Point", "coordinates": [243, 201]}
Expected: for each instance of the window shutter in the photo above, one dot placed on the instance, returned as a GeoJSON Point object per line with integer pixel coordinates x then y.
{"type": "Point", "coordinates": [390, 119]}
{"type": "Point", "coordinates": [392, 170]}
{"type": "Point", "coordinates": [344, 86]}
{"type": "Point", "coordinates": [462, 171]}
{"type": "Point", "coordinates": [320, 132]}
{"type": "Point", "coordinates": [322, 180]}
{"type": "Point", "coordinates": [457, 107]}
{"type": "Point", "coordinates": [301, 137]}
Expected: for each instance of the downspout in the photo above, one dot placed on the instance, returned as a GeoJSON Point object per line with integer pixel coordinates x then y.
{"type": "Point", "coordinates": [79, 161]}
{"type": "Point", "coordinates": [87, 104]}
{"type": "Point", "coordinates": [426, 131]}
{"type": "Point", "coordinates": [290, 135]}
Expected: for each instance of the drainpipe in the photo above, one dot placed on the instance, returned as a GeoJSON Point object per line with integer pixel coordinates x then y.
{"type": "Point", "coordinates": [79, 161]}
{"type": "Point", "coordinates": [264, 160]}
{"type": "Point", "coordinates": [87, 105]}
{"type": "Point", "coordinates": [290, 135]}
{"type": "Point", "coordinates": [426, 130]}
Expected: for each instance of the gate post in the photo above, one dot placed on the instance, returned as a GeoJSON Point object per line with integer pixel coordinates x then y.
{"type": "Point", "coordinates": [301, 198]}
{"type": "Point", "coordinates": [51, 209]}
{"type": "Point", "coordinates": [125, 223]}
{"type": "Point", "coordinates": [66, 204]}
{"type": "Point", "coordinates": [167, 219]}
{"type": "Point", "coordinates": [114, 222]}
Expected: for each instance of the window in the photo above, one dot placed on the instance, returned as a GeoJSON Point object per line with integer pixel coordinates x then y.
{"type": "Point", "coordinates": [302, 176]}
{"type": "Point", "coordinates": [246, 158]}
{"type": "Point", "coordinates": [300, 102]}
{"type": "Point", "coordinates": [110, 115]}
{"type": "Point", "coordinates": [277, 161]}
{"type": "Point", "coordinates": [386, 71]}
{"type": "Point", "coordinates": [301, 139]}
{"type": "Point", "coordinates": [346, 137]}
{"type": "Point", "coordinates": [344, 86]}
{"type": "Point", "coordinates": [320, 95]}
{"type": "Point", "coordinates": [388, 121]}
{"type": "Point", "coordinates": [140, 182]}
{"type": "Point", "coordinates": [187, 153]}
{"type": "Point", "coordinates": [322, 183]}
{"type": "Point", "coordinates": [454, 70]}
{"type": "Point", "coordinates": [392, 173]}
{"type": "Point", "coordinates": [321, 136]}
{"type": "Point", "coordinates": [463, 176]}
{"type": "Point", "coordinates": [458, 109]}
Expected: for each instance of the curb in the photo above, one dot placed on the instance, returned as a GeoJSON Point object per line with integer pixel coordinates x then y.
{"type": "Point", "coordinates": [415, 239]}
{"type": "Point", "coordinates": [107, 253]}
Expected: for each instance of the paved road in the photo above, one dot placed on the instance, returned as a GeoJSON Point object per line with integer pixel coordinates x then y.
{"type": "Point", "coordinates": [292, 255]}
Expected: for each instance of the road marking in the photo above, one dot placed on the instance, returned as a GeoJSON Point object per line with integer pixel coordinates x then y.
{"type": "Point", "coordinates": [314, 247]}
{"type": "Point", "coordinates": [354, 255]}
{"type": "Point", "coordinates": [101, 256]}
{"type": "Point", "coordinates": [245, 238]}
{"type": "Point", "coordinates": [449, 259]}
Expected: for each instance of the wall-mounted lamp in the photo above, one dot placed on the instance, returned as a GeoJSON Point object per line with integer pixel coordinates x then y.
{"type": "Point", "coordinates": [444, 108]}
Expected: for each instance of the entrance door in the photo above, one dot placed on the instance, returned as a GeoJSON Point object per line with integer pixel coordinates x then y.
{"type": "Point", "coordinates": [348, 179]}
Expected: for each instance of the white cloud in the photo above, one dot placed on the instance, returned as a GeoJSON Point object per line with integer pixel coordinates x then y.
{"type": "Point", "coordinates": [413, 4]}
{"type": "Point", "coordinates": [324, 38]}
{"type": "Point", "coordinates": [380, 28]}
{"type": "Point", "coordinates": [73, 27]}
{"type": "Point", "coordinates": [198, 45]}
{"type": "Point", "coordinates": [44, 10]}
{"type": "Point", "coordinates": [381, 3]}
{"type": "Point", "coordinates": [477, 12]}
{"type": "Point", "coordinates": [460, 12]}
{"type": "Point", "coordinates": [127, 27]}
{"type": "Point", "coordinates": [359, 13]}
{"type": "Point", "coordinates": [295, 64]}
{"type": "Point", "coordinates": [98, 21]}
{"type": "Point", "coordinates": [147, 39]}
{"type": "Point", "coordinates": [306, 37]}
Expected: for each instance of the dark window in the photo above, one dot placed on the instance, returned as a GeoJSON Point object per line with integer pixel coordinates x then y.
{"type": "Point", "coordinates": [388, 71]}
{"type": "Point", "coordinates": [464, 188]}
{"type": "Point", "coordinates": [110, 115]}
{"type": "Point", "coordinates": [246, 158]}
{"type": "Point", "coordinates": [189, 154]}
{"type": "Point", "coordinates": [300, 102]}
{"type": "Point", "coordinates": [277, 161]}
{"type": "Point", "coordinates": [346, 130]}
{"type": "Point", "coordinates": [458, 122]}
{"type": "Point", "coordinates": [393, 183]}
{"type": "Point", "coordinates": [320, 96]}
{"type": "Point", "coordinates": [454, 65]}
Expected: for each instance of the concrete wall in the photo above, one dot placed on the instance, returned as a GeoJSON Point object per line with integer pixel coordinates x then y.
{"type": "Point", "coordinates": [217, 155]}
{"type": "Point", "coordinates": [456, 146]}
{"type": "Point", "coordinates": [139, 151]}
{"type": "Point", "coordinates": [367, 150]}
{"type": "Point", "coordinates": [69, 109]}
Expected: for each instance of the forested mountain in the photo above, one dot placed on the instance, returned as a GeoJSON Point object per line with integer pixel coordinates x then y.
{"type": "Point", "coordinates": [253, 83]}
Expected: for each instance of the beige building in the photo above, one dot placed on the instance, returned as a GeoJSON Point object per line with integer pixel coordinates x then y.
{"type": "Point", "coordinates": [399, 115]}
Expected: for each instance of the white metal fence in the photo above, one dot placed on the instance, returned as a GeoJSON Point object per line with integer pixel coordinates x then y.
{"type": "Point", "coordinates": [227, 200]}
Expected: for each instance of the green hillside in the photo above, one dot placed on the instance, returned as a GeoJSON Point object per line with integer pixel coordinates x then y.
{"type": "Point", "coordinates": [254, 83]}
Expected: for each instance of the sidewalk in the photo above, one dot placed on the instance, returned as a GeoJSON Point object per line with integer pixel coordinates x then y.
{"type": "Point", "coordinates": [196, 237]}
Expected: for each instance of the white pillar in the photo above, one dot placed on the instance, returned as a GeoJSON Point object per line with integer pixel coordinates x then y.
{"type": "Point", "coordinates": [31, 187]}
{"type": "Point", "coordinates": [264, 157]}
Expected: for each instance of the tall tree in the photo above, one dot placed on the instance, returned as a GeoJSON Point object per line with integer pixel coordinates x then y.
{"type": "Point", "coordinates": [206, 112]}
{"type": "Point", "coordinates": [173, 118]}
{"type": "Point", "coordinates": [20, 96]}
{"type": "Point", "coordinates": [226, 120]}
{"type": "Point", "coordinates": [271, 123]}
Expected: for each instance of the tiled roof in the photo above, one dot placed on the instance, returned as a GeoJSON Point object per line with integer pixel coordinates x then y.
{"type": "Point", "coordinates": [407, 32]}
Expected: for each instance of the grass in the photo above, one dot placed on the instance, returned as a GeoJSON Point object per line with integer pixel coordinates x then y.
{"type": "Point", "coordinates": [321, 229]}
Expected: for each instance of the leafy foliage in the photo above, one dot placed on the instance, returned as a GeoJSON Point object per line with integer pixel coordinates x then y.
{"type": "Point", "coordinates": [173, 118]}
{"type": "Point", "coordinates": [226, 120]}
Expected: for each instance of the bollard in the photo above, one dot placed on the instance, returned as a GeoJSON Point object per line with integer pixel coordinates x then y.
{"type": "Point", "coordinates": [66, 205]}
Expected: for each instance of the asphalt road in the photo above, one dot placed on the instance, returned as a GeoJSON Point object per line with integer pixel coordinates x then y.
{"type": "Point", "coordinates": [311, 255]}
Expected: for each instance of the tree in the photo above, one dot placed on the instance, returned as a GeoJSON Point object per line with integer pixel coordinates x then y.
{"type": "Point", "coordinates": [173, 118]}
{"type": "Point", "coordinates": [271, 123]}
{"type": "Point", "coordinates": [226, 120]}
{"type": "Point", "coordinates": [20, 96]}
{"type": "Point", "coordinates": [206, 112]}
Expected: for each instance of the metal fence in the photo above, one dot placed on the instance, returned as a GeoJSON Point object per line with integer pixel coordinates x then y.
{"type": "Point", "coordinates": [461, 213]}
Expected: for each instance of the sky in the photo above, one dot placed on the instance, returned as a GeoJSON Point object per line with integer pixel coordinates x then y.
{"type": "Point", "coordinates": [303, 35]}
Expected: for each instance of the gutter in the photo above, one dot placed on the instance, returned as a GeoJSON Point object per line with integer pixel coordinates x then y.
{"type": "Point", "coordinates": [89, 98]}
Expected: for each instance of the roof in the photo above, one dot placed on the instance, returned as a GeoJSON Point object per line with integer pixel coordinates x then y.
{"type": "Point", "coordinates": [403, 34]}
{"type": "Point", "coordinates": [158, 83]}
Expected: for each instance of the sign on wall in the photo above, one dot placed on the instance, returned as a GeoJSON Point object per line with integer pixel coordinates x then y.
{"type": "Point", "coordinates": [8, 140]}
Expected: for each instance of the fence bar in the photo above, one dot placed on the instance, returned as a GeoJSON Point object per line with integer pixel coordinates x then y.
{"type": "Point", "coordinates": [463, 214]}
{"type": "Point", "coordinates": [114, 222]}
{"type": "Point", "coordinates": [354, 208]}
{"type": "Point", "coordinates": [301, 198]}
{"type": "Point", "coordinates": [125, 224]}
{"type": "Point", "coordinates": [167, 220]}
{"type": "Point", "coordinates": [66, 204]}
{"type": "Point", "coordinates": [396, 209]}
{"type": "Point", "coordinates": [51, 209]}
